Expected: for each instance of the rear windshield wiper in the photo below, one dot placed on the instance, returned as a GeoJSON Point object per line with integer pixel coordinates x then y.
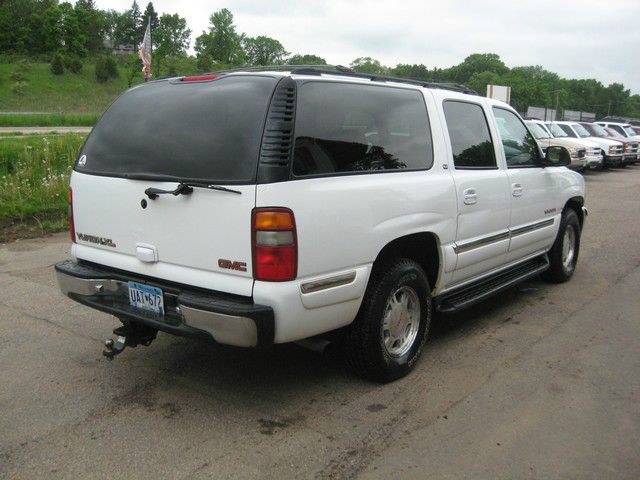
{"type": "Point", "coordinates": [184, 188]}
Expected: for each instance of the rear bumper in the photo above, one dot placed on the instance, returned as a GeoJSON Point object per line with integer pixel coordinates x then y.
{"type": "Point", "coordinates": [228, 319]}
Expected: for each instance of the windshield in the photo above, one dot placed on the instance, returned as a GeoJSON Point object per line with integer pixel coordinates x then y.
{"type": "Point", "coordinates": [614, 133]}
{"type": "Point", "coordinates": [182, 131]}
{"type": "Point", "coordinates": [538, 132]}
{"type": "Point", "coordinates": [598, 130]}
{"type": "Point", "coordinates": [630, 131]}
{"type": "Point", "coordinates": [555, 130]}
{"type": "Point", "coordinates": [580, 130]}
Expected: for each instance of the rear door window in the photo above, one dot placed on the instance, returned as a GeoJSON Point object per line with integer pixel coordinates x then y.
{"type": "Point", "coordinates": [192, 131]}
{"type": "Point", "coordinates": [471, 142]}
{"type": "Point", "coordinates": [351, 128]}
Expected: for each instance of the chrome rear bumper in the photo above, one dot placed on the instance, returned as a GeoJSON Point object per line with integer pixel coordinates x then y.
{"type": "Point", "coordinates": [228, 319]}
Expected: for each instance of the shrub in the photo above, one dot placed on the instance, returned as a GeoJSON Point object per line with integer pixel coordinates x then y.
{"type": "Point", "coordinates": [19, 88]}
{"type": "Point", "coordinates": [204, 63]}
{"type": "Point", "coordinates": [57, 64]}
{"type": "Point", "coordinates": [112, 66]}
{"type": "Point", "coordinates": [73, 64]}
{"type": "Point", "coordinates": [102, 74]}
{"type": "Point", "coordinates": [106, 68]}
{"type": "Point", "coordinates": [18, 76]}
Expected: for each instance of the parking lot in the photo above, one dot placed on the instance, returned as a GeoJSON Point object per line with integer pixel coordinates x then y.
{"type": "Point", "coordinates": [542, 382]}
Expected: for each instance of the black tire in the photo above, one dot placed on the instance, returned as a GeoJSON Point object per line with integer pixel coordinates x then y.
{"type": "Point", "coordinates": [363, 343]}
{"type": "Point", "coordinates": [561, 268]}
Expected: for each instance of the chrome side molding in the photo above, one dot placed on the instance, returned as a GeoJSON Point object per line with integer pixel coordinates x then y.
{"type": "Point", "coordinates": [329, 282]}
{"type": "Point", "coordinates": [481, 242]}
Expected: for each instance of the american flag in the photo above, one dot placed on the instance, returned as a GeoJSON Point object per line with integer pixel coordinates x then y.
{"type": "Point", "coordinates": [145, 52]}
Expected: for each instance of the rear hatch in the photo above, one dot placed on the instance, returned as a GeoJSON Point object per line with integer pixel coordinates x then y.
{"type": "Point", "coordinates": [159, 135]}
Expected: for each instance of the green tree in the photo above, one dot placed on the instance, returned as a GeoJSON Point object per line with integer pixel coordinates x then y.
{"type": "Point", "coordinates": [73, 38]}
{"type": "Point", "coordinates": [417, 72]}
{"type": "Point", "coordinates": [264, 50]}
{"type": "Point", "coordinates": [172, 39]}
{"type": "Point", "coordinates": [92, 23]}
{"type": "Point", "coordinates": [150, 14]}
{"type": "Point", "coordinates": [306, 59]}
{"type": "Point", "coordinates": [477, 63]}
{"type": "Point", "coordinates": [222, 43]}
{"type": "Point", "coordinates": [368, 65]}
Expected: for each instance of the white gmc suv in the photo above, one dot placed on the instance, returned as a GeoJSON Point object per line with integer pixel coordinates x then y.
{"type": "Point", "coordinates": [267, 206]}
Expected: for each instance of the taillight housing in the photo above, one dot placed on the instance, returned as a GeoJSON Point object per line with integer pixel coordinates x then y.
{"type": "Point", "coordinates": [274, 244]}
{"type": "Point", "coordinates": [72, 227]}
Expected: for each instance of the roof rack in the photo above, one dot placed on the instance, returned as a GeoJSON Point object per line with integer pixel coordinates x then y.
{"type": "Point", "coordinates": [347, 72]}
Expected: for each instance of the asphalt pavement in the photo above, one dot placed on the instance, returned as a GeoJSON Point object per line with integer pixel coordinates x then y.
{"type": "Point", "coordinates": [542, 382]}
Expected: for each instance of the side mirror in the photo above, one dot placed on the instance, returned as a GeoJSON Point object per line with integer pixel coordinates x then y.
{"type": "Point", "coordinates": [557, 157]}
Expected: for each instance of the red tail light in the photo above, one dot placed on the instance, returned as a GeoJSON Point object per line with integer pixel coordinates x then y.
{"type": "Point", "coordinates": [200, 78]}
{"type": "Point", "coordinates": [72, 227]}
{"type": "Point", "coordinates": [274, 244]}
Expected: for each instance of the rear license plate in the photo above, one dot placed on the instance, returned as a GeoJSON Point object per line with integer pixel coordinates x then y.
{"type": "Point", "coordinates": [146, 297]}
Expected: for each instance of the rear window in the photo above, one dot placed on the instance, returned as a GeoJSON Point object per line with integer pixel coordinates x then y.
{"type": "Point", "coordinates": [343, 128]}
{"type": "Point", "coordinates": [192, 131]}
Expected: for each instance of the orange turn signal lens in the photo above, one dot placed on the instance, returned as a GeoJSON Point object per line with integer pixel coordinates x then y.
{"type": "Point", "coordinates": [273, 220]}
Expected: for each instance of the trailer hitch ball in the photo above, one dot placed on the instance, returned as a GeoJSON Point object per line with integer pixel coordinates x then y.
{"type": "Point", "coordinates": [128, 335]}
{"type": "Point", "coordinates": [113, 348]}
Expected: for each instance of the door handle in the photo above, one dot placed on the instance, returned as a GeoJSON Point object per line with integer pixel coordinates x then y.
{"type": "Point", "coordinates": [516, 190]}
{"type": "Point", "coordinates": [470, 197]}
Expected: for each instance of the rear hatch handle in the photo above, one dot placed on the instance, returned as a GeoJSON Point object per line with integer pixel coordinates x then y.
{"type": "Point", "coordinates": [185, 189]}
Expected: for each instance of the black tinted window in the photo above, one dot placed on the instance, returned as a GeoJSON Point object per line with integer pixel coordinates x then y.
{"type": "Point", "coordinates": [354, 128]}
{"type": "Point", "coordinates": [520, 148]}
{"type": "Point", "coordinates": [207, 131]}
{"type": "Point", "coordinates": [469, 133]}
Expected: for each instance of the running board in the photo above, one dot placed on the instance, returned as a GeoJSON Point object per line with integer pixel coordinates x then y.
{"type": "Point", "coordinates": [463, 297]}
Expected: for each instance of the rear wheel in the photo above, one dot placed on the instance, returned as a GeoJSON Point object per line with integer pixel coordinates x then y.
{"type": "Point", "coordinates": [385, 340]}
{"type": "Point", "coordinates": [563, 256]}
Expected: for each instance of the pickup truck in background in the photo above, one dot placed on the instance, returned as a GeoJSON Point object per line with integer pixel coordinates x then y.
{"type": "Point", "coordinates": [612, 151]}
{"type": "Point", "coordinates": [631, 152]}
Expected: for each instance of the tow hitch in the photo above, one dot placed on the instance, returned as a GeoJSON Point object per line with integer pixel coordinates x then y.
{"type": "Point", "coordinates": [128, 335]}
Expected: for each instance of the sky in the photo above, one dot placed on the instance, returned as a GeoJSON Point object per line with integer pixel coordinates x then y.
{"type": "Point", "coordinates": [574, 38]}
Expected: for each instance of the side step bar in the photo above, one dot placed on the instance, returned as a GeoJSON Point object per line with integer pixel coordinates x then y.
{"type": "Point", "coordinates": [463, 297]}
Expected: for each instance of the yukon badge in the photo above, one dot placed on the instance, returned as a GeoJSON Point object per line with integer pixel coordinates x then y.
{"type": "Point", "coordinates": [97, 240]}
{"type": "Point", "coordinates": [229, 265]}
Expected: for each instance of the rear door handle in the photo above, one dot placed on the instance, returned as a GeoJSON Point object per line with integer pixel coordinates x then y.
{"type": "Point", "coordinates": [516, 190]}
{"type": "Point", "coordinates": [469, 196]}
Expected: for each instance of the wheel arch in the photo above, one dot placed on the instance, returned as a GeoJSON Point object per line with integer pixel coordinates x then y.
{"type": "Point", "coordinates": [422, 247]}
{"type": "Point", "coordinates": [576, 203]}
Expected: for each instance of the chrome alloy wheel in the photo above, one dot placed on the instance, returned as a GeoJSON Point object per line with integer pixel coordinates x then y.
{"type": "Point", "coordinates": [568, 248]}
{"type": "Point", "coordinates": [401, 321]}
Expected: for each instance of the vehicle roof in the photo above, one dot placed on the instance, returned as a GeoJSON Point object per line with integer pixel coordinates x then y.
{"type": "Point", "coordinates": [614, 123]}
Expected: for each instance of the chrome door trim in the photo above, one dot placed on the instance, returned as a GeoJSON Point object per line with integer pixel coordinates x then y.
{"type": "Point", "coordinates": [481, 242]}
{"type": "Point", "coordinates": [507, 234]}
{"type": "Point", "coordinates": [534, 226]}
{"type": "Point", "coordinates": [329, 282]}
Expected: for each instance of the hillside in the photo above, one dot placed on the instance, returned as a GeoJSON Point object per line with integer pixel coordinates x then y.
{"type": "Point", "coordinates": [42, 91]}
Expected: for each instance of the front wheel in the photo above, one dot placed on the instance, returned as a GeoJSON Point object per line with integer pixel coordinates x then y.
{"type": "Point", "coordinates": [385, 340]}
{"type": "Point", "coordinates": [563, 256]}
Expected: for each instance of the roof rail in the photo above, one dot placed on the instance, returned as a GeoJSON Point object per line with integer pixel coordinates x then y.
{"type": "Point", "coordinates": [347, 72]}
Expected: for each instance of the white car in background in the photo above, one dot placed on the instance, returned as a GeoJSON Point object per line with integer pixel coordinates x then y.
{"type": "Point", "coordinates": [612, 151]}
{"type": "Point", "coordinates": [593, 156]}
{"type": "Point", "coordinates": [545, 140]}
{"type": "Point", "coordinates": [624, 129]}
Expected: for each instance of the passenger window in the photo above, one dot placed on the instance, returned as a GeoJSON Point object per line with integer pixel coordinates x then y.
{"type": "Point", "coordinates": [618, 129]}
{"type": "Point", "coordinates": [469, 133]}
{"type": "Point", "coordinates": [520, 148]}
{"type": "Point", "coordinates": [343, 128]}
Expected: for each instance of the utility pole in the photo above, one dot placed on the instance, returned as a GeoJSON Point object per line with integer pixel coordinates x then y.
{"type": "Point", "coordinates": [557, 92]}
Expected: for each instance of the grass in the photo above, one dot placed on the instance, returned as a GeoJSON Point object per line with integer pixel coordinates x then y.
{"type": "Point", "coordinates": [34, 179]}
{"type": "Point", "coordinates": [42, 91]}
{"type": "Point", "coordinates": [48, 120]}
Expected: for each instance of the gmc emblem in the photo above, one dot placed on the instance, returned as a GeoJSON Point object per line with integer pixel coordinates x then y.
{"type": "Point", "coordinates": [229, 265]}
